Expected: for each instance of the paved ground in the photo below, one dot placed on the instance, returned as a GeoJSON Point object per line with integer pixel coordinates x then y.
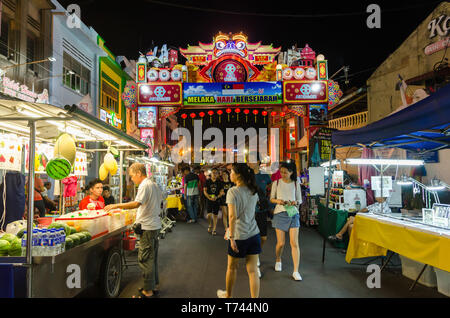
{"type": "Point", "coordinates": [192, 264]}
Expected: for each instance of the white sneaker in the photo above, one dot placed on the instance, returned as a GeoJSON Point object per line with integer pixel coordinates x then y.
{"type": "Point", "coordinates": [221, 293]}
{"type": "Point", "coordinates": [259, 264]}
{"type": "Point", "coordinates": [296, 276]}
{"type": "Point", "coordinates": [278, 267]}
{"type": "Point", "coordinates": [259, 273]}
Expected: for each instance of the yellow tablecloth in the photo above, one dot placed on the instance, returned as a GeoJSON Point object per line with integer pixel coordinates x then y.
{"type": "Point", "coordinates": [373, 236]}
{"type": "Point", "coordinates": [174, 202]}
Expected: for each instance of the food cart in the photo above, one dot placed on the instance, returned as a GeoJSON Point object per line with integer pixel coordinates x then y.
{"type": "Point", "coordinates": [99, 260]}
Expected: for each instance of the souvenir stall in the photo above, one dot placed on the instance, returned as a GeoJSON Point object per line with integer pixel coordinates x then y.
{"type": "Point", "coordinates": [40, 254]}
{"type": "Point", "coordinates": [421, 238]}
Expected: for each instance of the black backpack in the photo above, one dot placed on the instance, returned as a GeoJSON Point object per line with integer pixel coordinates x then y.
{"type": "Point", "coordinates": [263, 201]}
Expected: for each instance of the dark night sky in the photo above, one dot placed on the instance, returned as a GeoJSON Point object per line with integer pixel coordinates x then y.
{"type": "Point", "coordinates": [130, 26]}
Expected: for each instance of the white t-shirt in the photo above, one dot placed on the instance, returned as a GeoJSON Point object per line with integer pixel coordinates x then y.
{"type": "Point", "coordinates": [150, 197]}
{"type": "Point", "coordinates": [286, 192]}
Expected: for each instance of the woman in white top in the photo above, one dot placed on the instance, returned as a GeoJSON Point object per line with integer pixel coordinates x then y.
{"type": "Point", "coordinates": [286, 194]}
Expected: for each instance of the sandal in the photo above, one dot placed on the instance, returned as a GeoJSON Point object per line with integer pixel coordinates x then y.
{"type": "Point", "coordinates": [155, 291]}
{"type": "Point", "coordinates": [142, 295]}
{"type": "Point", "coordinates": [209, 229]}
{"type": "Point", "coordinates": [214, 233]}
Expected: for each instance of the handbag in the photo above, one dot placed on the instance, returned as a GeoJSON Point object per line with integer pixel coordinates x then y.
{"type": "Point", "coordinates": [290, 209]}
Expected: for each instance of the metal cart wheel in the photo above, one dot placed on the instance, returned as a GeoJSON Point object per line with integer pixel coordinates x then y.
{"type": "Point", "coordinates": [111, 273]}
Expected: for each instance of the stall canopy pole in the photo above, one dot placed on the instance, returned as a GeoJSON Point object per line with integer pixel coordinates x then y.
{"type": "Point", "coordinates": [30, 214]}
{"type": "Point", "coordinates": [121, 178]}
{"type": "Point", "coordinates": [330, 175]}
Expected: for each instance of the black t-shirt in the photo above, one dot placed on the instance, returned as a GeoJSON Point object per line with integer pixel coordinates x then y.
{"type": "Point", "coordinates": [213, 188]}
{"type": "Point", "coordinates": [109, 200]}
{"type": "Point", "coordinates": [191, 181]}
{"type": "Point", "coordinates": [227, 186]}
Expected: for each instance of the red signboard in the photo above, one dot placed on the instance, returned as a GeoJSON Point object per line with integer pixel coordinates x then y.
{"type": "Point", "coordinates": [159, 94]}
{"type": "Point", "coordinates": [304, 92]}
{"type": "Point", "coordinates": [438, 46]}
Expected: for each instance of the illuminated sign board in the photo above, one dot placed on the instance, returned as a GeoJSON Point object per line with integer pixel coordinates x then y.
{"type": "Point", "coordinates": [299, 92]}
{"type": "Point", "coordinates": [159, 94]}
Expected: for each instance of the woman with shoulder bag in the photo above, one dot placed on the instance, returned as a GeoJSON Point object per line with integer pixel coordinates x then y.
{"type": "Point", "coordinates": [286, 194]}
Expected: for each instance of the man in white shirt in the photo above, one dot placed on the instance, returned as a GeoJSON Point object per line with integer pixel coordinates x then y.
{"type": "Point", "coordinates": [148, 202]}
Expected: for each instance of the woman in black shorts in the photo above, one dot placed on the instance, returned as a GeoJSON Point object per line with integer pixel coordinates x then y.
{"type": "Point", "coordinates": [226, 185]}
{"type": "Point", "coordinates": [243, 236]}
{"type": "Point", "coordinates": [213, 192]}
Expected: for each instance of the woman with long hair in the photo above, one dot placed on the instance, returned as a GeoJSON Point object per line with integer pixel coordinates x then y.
{"type": "Point", "coordinates": [226, 185]}
{"type": "Point", "coordinates": [243, 236]}
{"type": "Point", "coordinates": [286, 194]}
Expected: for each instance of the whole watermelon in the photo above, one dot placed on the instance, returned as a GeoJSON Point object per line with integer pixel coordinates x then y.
{"type": "Point", "coordinates": [4, 247]}
{"type": "Point", "coordinates": [8, 237]}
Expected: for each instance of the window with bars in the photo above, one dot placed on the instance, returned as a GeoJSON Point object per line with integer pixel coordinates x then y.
{"type": "Point", "coordinates": [4, 37]}
{"type": "Point", "coordinates": [31, 52]}
{"type": "Point", "coordinates": [110, 97]}
{"type": "Point", "coordinates": [75, 75]}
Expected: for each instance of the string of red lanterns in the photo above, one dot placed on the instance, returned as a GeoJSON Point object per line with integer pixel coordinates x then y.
{"type": "Point", "coordinates": [220, 112]}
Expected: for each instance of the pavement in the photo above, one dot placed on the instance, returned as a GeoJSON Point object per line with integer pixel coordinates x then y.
{"type": "Point", "coordinates": [192, 264]}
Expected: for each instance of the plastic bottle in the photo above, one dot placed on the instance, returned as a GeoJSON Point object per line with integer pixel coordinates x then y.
{"type": "Point", "coordinates": [62, 241]}
{"type": "Point", "coordinates": [44, 244]}
{"type": "Point", "coordinates": [24, 244]}
{"type": "Point", "coordinates": [35, 240]}
{"type": "Point", "coordinates": [51, 243]}
{"type": "Point", "coordinates": [57, 243]}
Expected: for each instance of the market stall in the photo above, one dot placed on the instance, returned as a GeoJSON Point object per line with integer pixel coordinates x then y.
{"type": "Point", "coordinates": [420, 129]}
{"type": "Point", "coordinates": [95, 251]}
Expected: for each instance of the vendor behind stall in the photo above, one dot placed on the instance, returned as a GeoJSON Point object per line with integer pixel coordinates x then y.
{"type": "Point", "coordinates": [381, 206]}
{"type": "Point", "coordinates": [95, 188]}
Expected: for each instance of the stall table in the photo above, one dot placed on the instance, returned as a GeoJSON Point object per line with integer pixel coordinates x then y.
{"type": "Point", "coordinates": [374, 235]}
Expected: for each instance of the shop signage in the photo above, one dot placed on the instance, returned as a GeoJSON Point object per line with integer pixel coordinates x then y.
{"type": "Point", "coordinates": [322, 70]}
{"type": "Point", "coordinates": [147, 116]}
{"type": "Point", "coordinates": [320, 142]}
{"type": "Point", "coordinates": [14, 89]}
{"type": "Point", "coordinates": [10, 152]}
{"type": "Point", "coordinates": [318, 114]}
{"type": "Point", "coordinates": [299, 92]}
{"type": "Point", "coordinates": [439, 26]}
{"type": "Point", "coordinates": [252, 93]}
{"type": "Point", "coordinates": [427, 157]}
{"type": "Point", "coordinates": [141, 72]}
{"type": "Point", "coordinates": [148, 137]}
{"type": "Point", "coordinates": [438, 46]}
{"type": "Point", "coordinates": [110, 118]}
{"type": "Point", "coordinates": [159, 94]}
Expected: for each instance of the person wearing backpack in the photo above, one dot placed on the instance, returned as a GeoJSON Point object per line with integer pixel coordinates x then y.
{"type": "Point", "coordinates": [286, 194]}
{"type": "Point", "coordinates": [263, 181]}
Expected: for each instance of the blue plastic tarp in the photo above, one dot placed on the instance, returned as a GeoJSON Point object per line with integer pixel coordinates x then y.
{"type": "Point", "coordinates": [408, 128]}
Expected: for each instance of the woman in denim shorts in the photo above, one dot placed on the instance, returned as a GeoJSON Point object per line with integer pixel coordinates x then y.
{"type": "Point", "coordinates": [287, 192]}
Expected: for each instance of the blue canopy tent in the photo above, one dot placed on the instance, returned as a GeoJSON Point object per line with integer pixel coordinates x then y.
{"type": "Point", "coordinates": [421, 127]}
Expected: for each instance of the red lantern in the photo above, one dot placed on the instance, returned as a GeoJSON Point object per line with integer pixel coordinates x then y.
{"type": "Point", "coordinates": [192, 115]}
{"type": "Point", "coordinates": [228, 110]}
{"type": "Point", "coordinates": [255, 112]}
{"type": "Point", "coordinates": [219, 112]}
{"type": "Point", "coordinates": [210, 113]}
{"type": "Point", "coordinates": [184, 116]}
{"type": "Point", "coordinates": [246, 112]}
{"type": "Point", "coordinates": [282, 114]}
{"type": "Point", "coordinates": [273, 114]}
{"type": "Point", "coordinates": [237, 110]}
{"type": "Point", "coordinates": [201, 114]}
{"type": "Point", "coordinates": [264, 113]}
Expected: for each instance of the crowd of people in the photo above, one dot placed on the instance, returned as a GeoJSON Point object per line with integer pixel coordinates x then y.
{"type": "Point", "coordinates": [248, 198]}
